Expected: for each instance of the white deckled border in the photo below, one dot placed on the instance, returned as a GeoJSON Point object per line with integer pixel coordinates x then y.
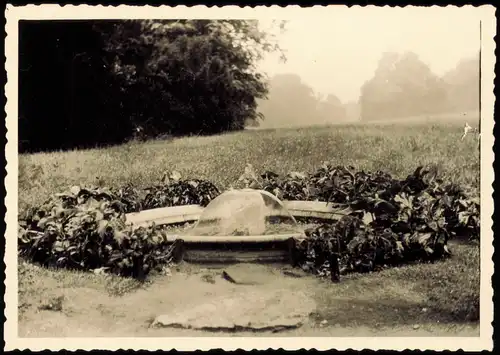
{"type": "Point", "coordinates": [14, 14]}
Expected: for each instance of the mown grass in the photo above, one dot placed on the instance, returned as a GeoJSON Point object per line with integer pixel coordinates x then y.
{"type": "Point", "coordinates": [397, 149]}
{"type": "Point", "coordinates": [449, 290]}
{"type": "Point", "coordinates": [440, 292]}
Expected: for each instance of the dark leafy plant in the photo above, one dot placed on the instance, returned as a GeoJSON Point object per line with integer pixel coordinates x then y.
{"type": "Point", "coordinates": [85, 228]}
{"type": "Point", "coordinates": [177, 192]}
{"type": "Point", "coordinates": [394, 221]}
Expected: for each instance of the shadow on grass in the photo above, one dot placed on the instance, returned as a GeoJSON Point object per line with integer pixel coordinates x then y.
{"type": "Point", "coordinates": [381, 313]}
{"type": "Point", "coordinates": [444, 292]}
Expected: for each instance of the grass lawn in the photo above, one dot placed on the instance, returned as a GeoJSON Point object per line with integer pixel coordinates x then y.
{"type": "Point", "coordinates": [445, 291]}
{"type": "Point", "coordinates": [397, 149]}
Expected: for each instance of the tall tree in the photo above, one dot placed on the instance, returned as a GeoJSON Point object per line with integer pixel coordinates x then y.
{"type": "Point", "coordinates": [191, 76]}
{"type": "Point", "coordinates": [463, 86]}
{"type": "Point", "coordinates": [402, 86]}
{"type": "Point", "coordinates": [290, 102]}
{"type": "Point", "coordinates": [111, 78]}
{"type": "Point", "coordinates": [378, 92]}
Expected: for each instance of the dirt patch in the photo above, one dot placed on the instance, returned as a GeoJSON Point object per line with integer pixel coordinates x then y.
{"type": "Point", "coordinates": [267, 297]}
{"type": "Point", "coordinates": [89, 312]}
{"type": "Point", "coordinates": [245, 297]}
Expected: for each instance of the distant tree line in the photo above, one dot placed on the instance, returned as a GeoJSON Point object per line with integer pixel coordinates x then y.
{"type": "Point", "coordinates": [404, 86]}
{"type": "Point", "coordinates": [88, 83]}
{"type": "Point", "coordinates": [291, 102]}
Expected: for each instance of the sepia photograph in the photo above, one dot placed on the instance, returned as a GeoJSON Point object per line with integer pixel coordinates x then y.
{"type": "Point", "coordinates": [197, 178]}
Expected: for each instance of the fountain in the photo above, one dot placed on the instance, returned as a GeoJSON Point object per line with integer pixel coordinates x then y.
{"type": "Point", "coordinates": [244, 225]}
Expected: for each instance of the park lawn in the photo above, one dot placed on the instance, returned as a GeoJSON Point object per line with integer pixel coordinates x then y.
{"type": "Point", "coordinates": [397, 149]}
{"type": "Point", "coordinates": [445, 291]}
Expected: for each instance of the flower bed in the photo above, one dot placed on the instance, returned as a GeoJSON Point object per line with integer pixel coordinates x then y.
{"type": "Point", "coordinates": [392, 221]}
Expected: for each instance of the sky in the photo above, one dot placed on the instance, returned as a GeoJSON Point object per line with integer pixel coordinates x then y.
{"type": "Point", "coordinates": [338, 52]}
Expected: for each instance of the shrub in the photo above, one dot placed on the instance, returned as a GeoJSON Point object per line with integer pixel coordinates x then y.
{"type": "Point", "coordinates": [85, 228]}
{"type": "Point", "coordinates": [393, 221]}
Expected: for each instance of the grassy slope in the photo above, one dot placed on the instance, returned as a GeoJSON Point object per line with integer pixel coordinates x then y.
{"type": "Point", "coordinates": [449, 290]}
{"type": "Point", "coordinates": [398, 149]}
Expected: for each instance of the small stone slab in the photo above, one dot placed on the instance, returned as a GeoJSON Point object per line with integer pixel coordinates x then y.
{"type": "Point", "coordinates": [259, 310]}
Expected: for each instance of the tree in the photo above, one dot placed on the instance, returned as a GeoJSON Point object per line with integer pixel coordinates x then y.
{"type": "Point", "coordinates": [402, 86]}
{"type": "Point", "coordinates": [290, 102]}
{"type": "Point", "coordinates": [463, 86]}
{"type": "Point", "coordinates": [191, 76]}
{"type": "Point", "coordinates": [378, 92]}
{"type": "Point", "coordinates": [331, 109]}
{"type": "Point", "coordinates": [113, 78]}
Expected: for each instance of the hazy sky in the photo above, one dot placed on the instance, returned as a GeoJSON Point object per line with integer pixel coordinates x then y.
{"type": "Point", "coordinates": [337, 53]}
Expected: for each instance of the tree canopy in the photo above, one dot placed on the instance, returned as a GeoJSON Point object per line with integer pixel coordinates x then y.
{"type": "Point", "coordinates": [402, 86]}
{"type": "Point", "coordinates": [291, 102]}
{"type": "Point", "coordinates": [86, 83]}
{"type": "Point", "coordinates": [463, 85]}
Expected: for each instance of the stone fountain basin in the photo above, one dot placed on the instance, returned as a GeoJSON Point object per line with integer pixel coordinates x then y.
{"type": "Point", "coordinates": [192, 213]}
{"type": "Point", "coordinates": [270, 248]}
{"type": "Point", "coordinates": [277, 248]}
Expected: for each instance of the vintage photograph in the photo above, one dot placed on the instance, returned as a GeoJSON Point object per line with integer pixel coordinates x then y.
{"type": "Point", "coordinates": [311, 176]}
